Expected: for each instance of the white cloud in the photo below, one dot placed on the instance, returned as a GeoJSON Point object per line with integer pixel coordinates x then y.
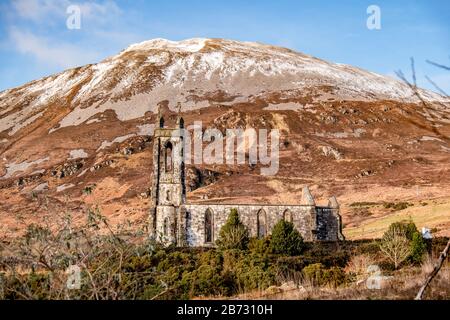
{"type": "Point", "coordinates": [49, 16]}
{"type": "Point", "coordinates": [99, 12]}
{"type": "Point", "coordinates": [60, 54]}
{"type": "Point", "coordinates": [39, 11]}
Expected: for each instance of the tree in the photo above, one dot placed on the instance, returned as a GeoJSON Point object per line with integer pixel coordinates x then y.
{"type": "Point", "coordinates": [409, 228]}
{"type": "Point", "coordinates": [286, 239]}
{"type": "Point", "coordinates": [233, 235]}
{"type": "Point", "coordinates": [418, 248]}
{"type": "Point", "coordinates": [395, 245]}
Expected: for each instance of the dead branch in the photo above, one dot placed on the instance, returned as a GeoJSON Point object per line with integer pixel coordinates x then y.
{"type": "Point", "coordinates": [435, 271]}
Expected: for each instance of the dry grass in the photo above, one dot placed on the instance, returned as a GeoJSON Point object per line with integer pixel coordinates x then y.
{"type": "Point", "coordinates": [395, 285]}
{"type": "Point", "coordinates": [431, 216]}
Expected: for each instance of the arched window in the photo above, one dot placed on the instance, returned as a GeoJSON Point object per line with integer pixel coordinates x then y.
{"type": "Point", "coordinates": [168, 157]}
{"type": "Point", "coordinates": [261, 224]}
{"type": "Point", "coordinates": [287, 216]}
{"type": "Point", "coordinates": [208, 226]}
{"type": "Point", "coordinates": [188, 220]}
{"type": "Point", "coordinates": [161, 122]}
{"type": "Point", "coordinates": [166, 227]}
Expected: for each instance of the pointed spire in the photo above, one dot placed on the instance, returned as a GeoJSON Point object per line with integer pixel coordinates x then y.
{"type": "Point", "coordinates": [307, 198]}
{"type": "Point", "coordinates": [333, 203]}
{"type": "Point", "coordinates": [158, 110]}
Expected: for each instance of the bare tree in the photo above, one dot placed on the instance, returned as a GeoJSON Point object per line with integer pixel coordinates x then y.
{"type": "Point", "coordinates": [395, 246]}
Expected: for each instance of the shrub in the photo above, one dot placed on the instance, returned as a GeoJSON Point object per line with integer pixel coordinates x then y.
{"type": "Point", "coordinates": [260, 246]}
{"type": "Point", "coordinates": [313, 273]}
{"type": "Point", "coordinates": [204, 281]}
{"type": "Point", "coordinates": [319, 276]}
{"type": "Point", "coordinates": [286, 239]}
{"type": "Point", "coordinates": [370, 248]}
{"type": "Point", "coordinates": [252, 272]}
{"type": "Point", "coordinates": [359, 264]}
{"type": "Point", "coordinates": [233, 235]}
{"type": "Point", "coordinates": [211, 258]}
{"type": "Point", "coordinates": [397, 206]}
{"type": "Point", "coordinates": [418, 248]}
{"type": "Point", "coordinates": [89, 189]}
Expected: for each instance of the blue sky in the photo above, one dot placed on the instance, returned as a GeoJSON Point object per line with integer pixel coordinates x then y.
{"type": "Point", "coordinates": [34, 39]}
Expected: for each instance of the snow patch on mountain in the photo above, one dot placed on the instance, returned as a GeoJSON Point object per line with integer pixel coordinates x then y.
{"type": "Point", "coordinates": [13, 168]}
{"type": "Point", "coordinates": [78, 154]}
{"type": "Point", "coordinates": [64, 187]}
{"type": "Point", "coordinates": [107, 144]}
{"type": "Point", "coordinates": [284, 106]}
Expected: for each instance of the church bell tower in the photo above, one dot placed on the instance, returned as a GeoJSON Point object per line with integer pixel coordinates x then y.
{"type": "Point", "coordinates": [168, 194]}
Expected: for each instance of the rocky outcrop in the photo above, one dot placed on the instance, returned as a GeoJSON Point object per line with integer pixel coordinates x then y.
{"type": "Point", "coordinates": [67, 169]}
{"type": "Point", "coordinates": [328, 151]}
{"type": "Point", "coordinates": [197, 178]}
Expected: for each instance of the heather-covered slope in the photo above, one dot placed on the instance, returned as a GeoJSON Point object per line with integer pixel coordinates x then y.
{"type": "Point", "coordinates": [82, 138]}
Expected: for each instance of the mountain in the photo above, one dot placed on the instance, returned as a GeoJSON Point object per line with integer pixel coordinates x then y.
{"type": "Point", "coordinates": [82, 138]}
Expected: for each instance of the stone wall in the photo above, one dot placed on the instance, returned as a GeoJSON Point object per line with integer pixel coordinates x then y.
{"type": "Point", "coordinates": [303, 217]}
{"type": "Point", "coordinates": [328, 224]}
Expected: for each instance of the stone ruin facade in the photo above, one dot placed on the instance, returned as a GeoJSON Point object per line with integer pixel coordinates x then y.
{"type": "Point", "coordinates": [174, 221]}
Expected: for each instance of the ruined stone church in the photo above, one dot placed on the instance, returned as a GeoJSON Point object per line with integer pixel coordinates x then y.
{"type": "Point", "coordinates": [173, 220]}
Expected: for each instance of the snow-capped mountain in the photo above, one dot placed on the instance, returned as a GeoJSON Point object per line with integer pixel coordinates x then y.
{"type": "Point", "coordinates": [193, 72]}
{"type": "Point", "coordinates": [92, 125]}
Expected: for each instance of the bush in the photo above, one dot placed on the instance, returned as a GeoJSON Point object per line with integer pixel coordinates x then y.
{"type": "Point", "coordinates": [319, 276]}
{"type": "Point", "coordinates": [260, 246]}
{"type": "Point", "coordinates": [204, 281]}
{"type": "Point", "coordinates": [233, 235]}
{"type": "Point", "coordinates": [252, 272]}
{"type": "Point", "coordinates": [418, 248]}
{"type": "Point", "coordinates": [397, 206]}
{"type": "Point", "coordinates": [286, 239]}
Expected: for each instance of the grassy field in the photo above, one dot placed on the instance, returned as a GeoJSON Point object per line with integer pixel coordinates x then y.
{"type": "Point", "coordinates": [434, 214]}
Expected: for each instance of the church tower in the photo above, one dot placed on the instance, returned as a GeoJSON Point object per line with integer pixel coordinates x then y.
{"type": "Point", "coordinates": [168, 194]}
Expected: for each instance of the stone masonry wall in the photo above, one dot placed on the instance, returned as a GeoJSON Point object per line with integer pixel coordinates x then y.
{"type": "Point", "coordinates": [303, 218]}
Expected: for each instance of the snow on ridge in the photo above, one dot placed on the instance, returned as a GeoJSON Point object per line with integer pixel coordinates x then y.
{"type": "Point", "coordinates": [188, 45]}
